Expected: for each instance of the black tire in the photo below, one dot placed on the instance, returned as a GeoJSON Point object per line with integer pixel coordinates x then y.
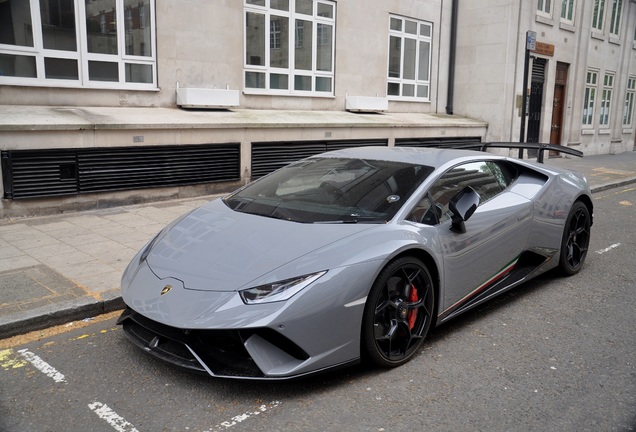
{"type": "Point", "coordinates": [576, 239]}
{"type": "Point", "coordinates": [398, 312]}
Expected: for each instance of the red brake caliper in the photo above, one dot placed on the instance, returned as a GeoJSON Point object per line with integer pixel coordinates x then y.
{"type": "Point", "coordinates": [413, 314]}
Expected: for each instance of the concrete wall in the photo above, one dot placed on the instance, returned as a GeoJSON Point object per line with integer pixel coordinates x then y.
{"type": "Point", "coordinates": [200, 44]}
{"type": "Point", "coordinates": [489, 77]}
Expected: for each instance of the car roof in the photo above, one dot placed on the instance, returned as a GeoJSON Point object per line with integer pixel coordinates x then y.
{"type": "Point", "coordinates": [433, 157]}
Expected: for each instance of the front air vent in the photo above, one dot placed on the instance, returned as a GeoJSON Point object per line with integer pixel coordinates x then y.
{"type": "Point", "coordinates": [45, 173]}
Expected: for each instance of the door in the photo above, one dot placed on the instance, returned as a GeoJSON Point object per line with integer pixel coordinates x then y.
{"type": "Point", "coordinates": [534, 111]}
{"type": "Point", "coordinates": [495, 235]}
{"type": "Point", "coordinates": [535, 104]}
{"type": "Point", "coordinates": [557, 114]}
{"type": "Point", "coordinates": [558, 103]}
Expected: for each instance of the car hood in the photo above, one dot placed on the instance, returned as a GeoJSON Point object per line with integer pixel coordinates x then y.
{"type": "Point", "coordinates": [217, 249]}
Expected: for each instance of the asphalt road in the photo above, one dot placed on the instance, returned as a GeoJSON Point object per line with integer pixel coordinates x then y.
{"type": "Point", "coordinates": [557, 354]}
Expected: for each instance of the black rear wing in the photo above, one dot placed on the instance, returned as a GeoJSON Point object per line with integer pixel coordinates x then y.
{"type": "Point", "coordinates": [521, 146]}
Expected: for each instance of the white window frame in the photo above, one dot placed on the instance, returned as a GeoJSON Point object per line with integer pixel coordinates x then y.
{"type": "Point", "coordinates": [81, 55]}
{"type": "Point", "coordinates": [568, 7]}
{"type": "Point", "coordinates": [615, 21]}
{"type": "Point", "coordinates": [299, 42]}
{"type": "Point", "coordinates": [544, 8]}
{"type": "Point", "coordinates": [274, 34]}
{"type": "Point", "coordinates": [628, 108]}
{"type": "Point", "coordinates": [418, 38]}
{"type": "Point", "coordinates": [598, 15]}
{"type": "Point", "coordinates": [606, 100]}
{"type": "Point", "coordinates": [589, 100]}
{"type": "Point", "coordinates": [314, 74]}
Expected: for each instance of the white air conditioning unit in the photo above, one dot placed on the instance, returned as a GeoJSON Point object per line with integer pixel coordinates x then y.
{"type": "Point", "coordinates": [207, 98]}
{"type": "Point", "coordinates": [366, 104]}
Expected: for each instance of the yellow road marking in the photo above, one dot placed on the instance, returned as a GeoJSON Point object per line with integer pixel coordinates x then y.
{"type": "Point", "coordinates": [615, 193]}
{"type": "Point", "coordinates": [52, 331]}
{"type": "Point", "coordinates": [603, 170]}
{"type": "Point", "coordinates": [8, 360]}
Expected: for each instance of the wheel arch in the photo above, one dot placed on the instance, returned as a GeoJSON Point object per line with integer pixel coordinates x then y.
{"type": "Point", "coordinates": [428, 260]}
{"type": "Point", "coordinates": [585, 199]}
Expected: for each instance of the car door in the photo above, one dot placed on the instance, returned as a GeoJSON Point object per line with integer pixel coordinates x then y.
{"type": "Point", "coordinates": [494, 237]}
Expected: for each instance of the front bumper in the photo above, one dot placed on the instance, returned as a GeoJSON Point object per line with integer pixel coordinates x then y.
{"type": "Point", "coordinates": [221, 353]}
{"type": "Point", "coordinates": [215, 332]}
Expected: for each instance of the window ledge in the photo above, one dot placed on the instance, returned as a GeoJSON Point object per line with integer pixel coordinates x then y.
{"type": "Point", "coordinates": [544, 20]}
{"type": "Point", "coordinates": [614, 40]}
{"type": "Point", "coordinates": [587, 132]}
{"type": "Point", "coordinates": [628, 131]}
{"type": "Point", "coordinates": [21, 82]}
{"type": "Point", "coordinates": [634, 45]}
{"type": "Point", "coordinates": [257, 92]}
{"type": "Point", "coordinates": [597, 35]}
{"type": "Point", "coordinates": [604, 131]}
{"type": "Point", "coordinates": [567, 26]}
{"type": "Point", "coordinates": [407, 99]}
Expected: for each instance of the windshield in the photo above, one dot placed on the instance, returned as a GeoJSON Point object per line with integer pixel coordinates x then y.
{"type": "Point", "coordinates": [331, 190]}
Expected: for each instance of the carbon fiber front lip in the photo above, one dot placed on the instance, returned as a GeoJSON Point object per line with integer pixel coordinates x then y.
{"type": "Point", "coordinates": [219, 353]}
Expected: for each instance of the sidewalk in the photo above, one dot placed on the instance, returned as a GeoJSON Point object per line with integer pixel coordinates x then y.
{"type": "Point", "coordinates": [60, 268]}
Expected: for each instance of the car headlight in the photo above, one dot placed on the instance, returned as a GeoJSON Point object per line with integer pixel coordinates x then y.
{"type": "Point", "coordinates": [278, 291]}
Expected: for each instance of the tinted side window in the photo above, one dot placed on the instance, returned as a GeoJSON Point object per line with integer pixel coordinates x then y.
{"type": "Point", "coordinates": [505, 172]}
{"type": "Point", "coordinates": [488, 179]}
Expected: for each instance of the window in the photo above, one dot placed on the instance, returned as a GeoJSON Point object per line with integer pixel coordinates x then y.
{"type": "Point", "coordinates": [615, 23]}
{"type": "Point", "coordinates": [487, 178]}
{"type": "Point", "coordinates": [299, 61]}
{"type": "Point", "coordinates": [590, 97]}
{"type": "Point", "coordinates": [78, 43]}
{"type": "Point", "coordinates": [628, 109]}
{"type": "Point", "coordinates": [332, 190]}
{"type": "Point", "coordinates": [409, 59]}
{"type": "Point", "coordinates": [598, 15]}
{"type": "Point", "coordinates": [544, 7]}
{"type": "Point", "coordinates": [567, 11]}
{"type": "Point", "coordinates": [300, 34]}
{"type": "Point", "coordinates": [275, 34]}
{"type": "Point", "coordinates": [606, 99]}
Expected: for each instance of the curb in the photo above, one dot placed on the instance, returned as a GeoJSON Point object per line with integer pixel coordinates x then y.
{"type": "Point", "coordinates": [612, 185]}
{"type": "Point", "coordinates": [57, 314]}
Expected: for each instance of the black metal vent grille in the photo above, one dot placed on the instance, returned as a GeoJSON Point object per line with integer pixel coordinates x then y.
{"type": "Point", "coordinates": [39, 173]}
{"type": "Point", "coordinates": [444, 142]}
{"type": "Point", "coordinates": [45, 173]}
{"type": "Point", "coordinates": [268, 157]}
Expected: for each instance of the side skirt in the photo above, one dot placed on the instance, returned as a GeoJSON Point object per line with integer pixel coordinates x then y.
{"type": "Point", "coordinates": [521, 269]}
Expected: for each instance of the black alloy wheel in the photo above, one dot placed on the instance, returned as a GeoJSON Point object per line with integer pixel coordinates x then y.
{"type": "Point", "coordinates": [576, 239]}
{"type": "Point", "coordinates": [398, 312]}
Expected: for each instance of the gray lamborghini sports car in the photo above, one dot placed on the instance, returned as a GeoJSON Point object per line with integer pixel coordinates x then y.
{"type": "Point", "coordinates": [349, 255]}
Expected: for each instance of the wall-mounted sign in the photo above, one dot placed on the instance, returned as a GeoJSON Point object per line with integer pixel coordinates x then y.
{"type": "Point", "coordinates": [531, 40]}
{"type": "Point", "coordinates": [544, 49]}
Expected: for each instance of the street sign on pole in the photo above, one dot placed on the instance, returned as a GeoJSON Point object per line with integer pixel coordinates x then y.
{"type": "Point", "coordinates": [531, 40]}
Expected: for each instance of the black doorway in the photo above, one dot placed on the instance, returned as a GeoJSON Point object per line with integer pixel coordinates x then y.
{"type": "Point", "coordinates": [535, 103]}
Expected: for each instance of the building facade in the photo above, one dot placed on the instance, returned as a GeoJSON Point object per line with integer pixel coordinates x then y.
{"type": "Point", "coordinates": [581, 75]}
{"type": "Point", "coordinates": [108, 101]}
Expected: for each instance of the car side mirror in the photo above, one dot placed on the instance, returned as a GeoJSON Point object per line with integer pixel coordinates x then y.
{"type": "Point", "coordinates": [462, 207]}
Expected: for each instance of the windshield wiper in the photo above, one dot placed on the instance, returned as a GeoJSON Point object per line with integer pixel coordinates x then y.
{"type": "Point", "coordinates": [284, 214]}
{"type": "Point", "coordinates": [353, 220]}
